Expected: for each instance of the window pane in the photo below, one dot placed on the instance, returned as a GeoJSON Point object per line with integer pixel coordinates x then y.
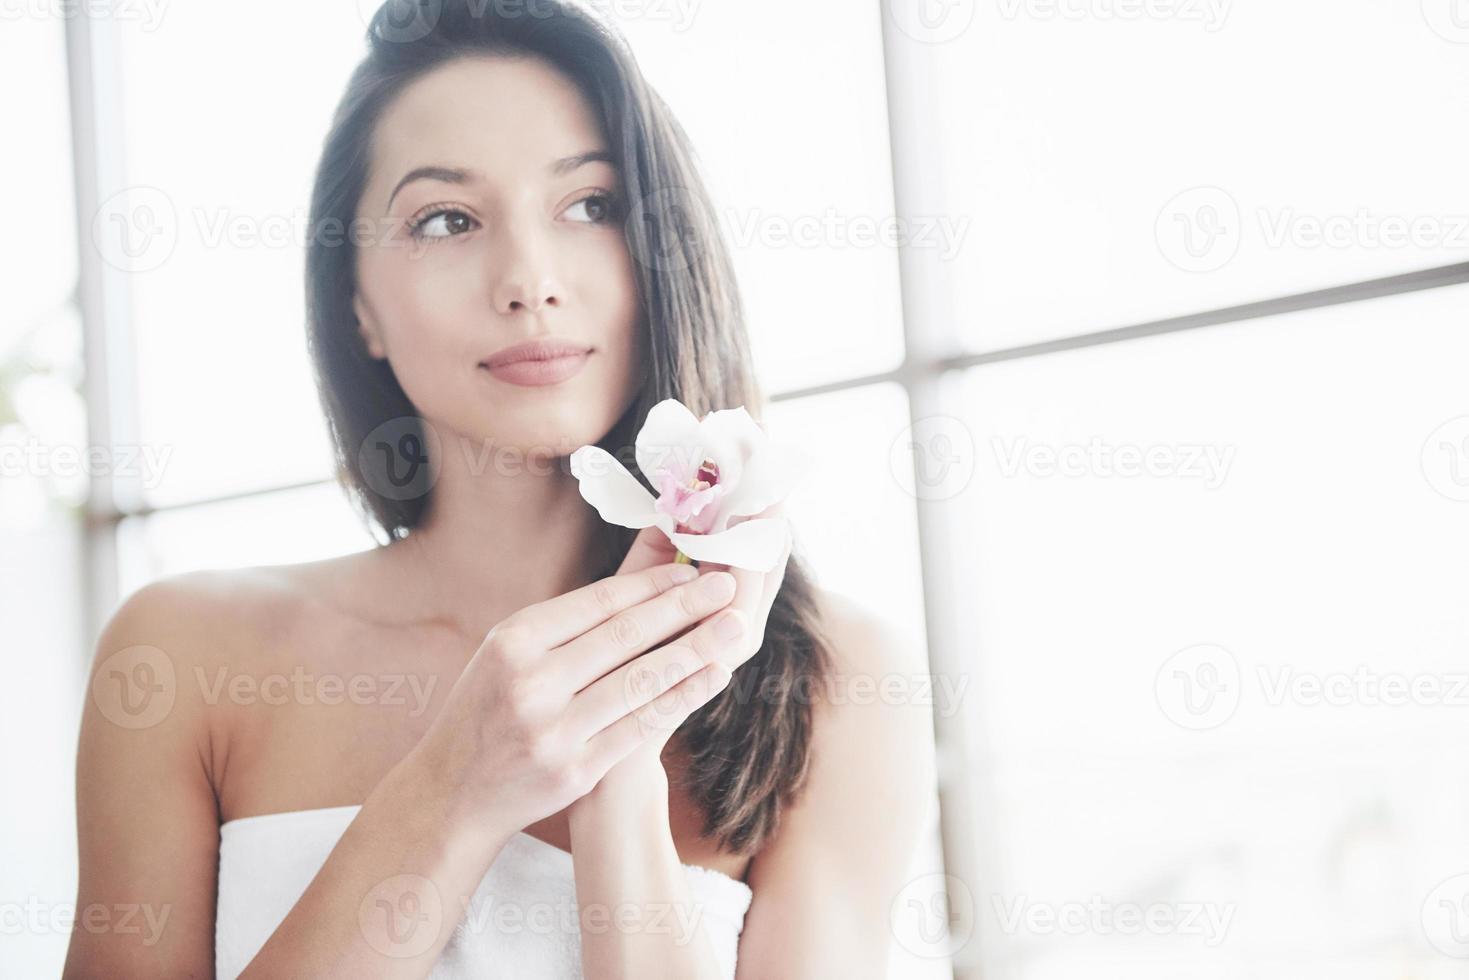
{"type": "Point", "coordinates": [796, 155]}
{"type": "Point", "coordinates": [1127, 161]}
{"type": "Point", "coordinates": [223, 171]}
{"type": "Point", "coordinates": [274, 528]}
{"type": "Point", "coordinates": [40, 253]}
{"type": "Point", "coordinates": [856, 524]}
{"type": "Point", "coordinates": [43, 477]}
{"type": "Point", "coordinates": [1201, 567]}
{"type": "Point", "coordinates": [43, 431]}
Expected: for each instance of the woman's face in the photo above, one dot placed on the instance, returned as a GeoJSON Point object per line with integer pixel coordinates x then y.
{"type": "Point", "coordinates": [520, 244]}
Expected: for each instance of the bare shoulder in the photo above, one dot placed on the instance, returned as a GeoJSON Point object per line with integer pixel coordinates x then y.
{"type": "Point", "coordinates": [861, 639]}
{"type": "Point", "coordinates": [149, 756]}
{"type": "Point", "coordinates": [169, 664]}
{"type": "Point", "coordinates": [868, 791]}
{"type": "Point", "coordinates": [184, 599]}
{"type": "Point", "coordinates": [157, 657]}
{"type": "Point", "coordinates": [228, 613]}
{"type": "Point", "coordinates": [157, 738]}
{"type": "Point", "coordinates": [202, 615]}
{"type": "Point", "coordinates": [872, 715]}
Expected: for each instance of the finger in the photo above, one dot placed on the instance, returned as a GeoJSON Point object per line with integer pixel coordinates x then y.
{"type": "Point", "coordinates": [642, 681]}
{"type": "Point", "coordinates": [659, 718]}
{"type": "Point", "coordinates": [755, 593]}
{"type": "Point", "coordinates": [751, 584]}
{"type": "Point", "coordinates": [563, 618]}
{"type": "Point", "coordinates": [749, 589]}
{"type": "Point", "coordinates": [613, 643]}
{"type": "Point", "coordinates": [773, 580]}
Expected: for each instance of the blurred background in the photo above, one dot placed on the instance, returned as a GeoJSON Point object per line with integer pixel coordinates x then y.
{"type": "Point", "coordinates": [1135, 330]}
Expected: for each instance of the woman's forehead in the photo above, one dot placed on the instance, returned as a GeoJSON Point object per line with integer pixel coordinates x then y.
{"type": "Point", "coordinates": [497, 116]}
{"type": "Point", "coordinates": [523, 97]}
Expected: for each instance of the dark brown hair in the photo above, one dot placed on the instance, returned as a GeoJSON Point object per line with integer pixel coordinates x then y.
{"type": "Point", "coordinates": [747, 750]}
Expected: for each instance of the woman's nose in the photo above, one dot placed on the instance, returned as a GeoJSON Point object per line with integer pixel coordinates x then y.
{"type": "Point", "coordinates": [525, 279]}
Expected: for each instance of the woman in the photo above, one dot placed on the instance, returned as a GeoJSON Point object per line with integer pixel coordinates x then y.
{"type": "Point", "coordinates": [495, 176]}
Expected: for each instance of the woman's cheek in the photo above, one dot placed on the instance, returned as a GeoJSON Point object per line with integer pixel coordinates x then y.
{"type": "Point", "coordinates": [620, 294]}
{"type": "Point", "coordinates": [435, 296]}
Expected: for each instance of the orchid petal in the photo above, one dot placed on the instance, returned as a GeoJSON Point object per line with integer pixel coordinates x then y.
{"type": "Point", "coordinates": [608, 486]}
{"type": "Point", "coordinates": [731, 437]}
{"type": "Point", "coordinates": [769, 477]}
{"type": "Point", "coordinates": [668, 441]}
{"type": "Point", "coordinates": [754, 544]}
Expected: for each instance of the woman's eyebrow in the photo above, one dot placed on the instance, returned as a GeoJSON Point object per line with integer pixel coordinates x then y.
{"type": "Point", "coordinates": [567, 164]}
{"type": "Point", "coordinates": [450, 175]}
{"type": "Point", "coordinates": [457, 175]}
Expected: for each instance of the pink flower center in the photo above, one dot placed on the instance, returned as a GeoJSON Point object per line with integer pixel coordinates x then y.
{"type": "Point", "coordinates": [688, 501]}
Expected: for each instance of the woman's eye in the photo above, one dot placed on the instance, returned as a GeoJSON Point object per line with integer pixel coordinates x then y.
{"type": "Point", "coordinates": [598, 208]}
{"type": "Point", "coordinates": [444, 223]}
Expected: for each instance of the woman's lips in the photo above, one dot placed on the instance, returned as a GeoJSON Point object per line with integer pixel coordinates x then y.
{"type": "Point", "coordinates": [532, 373]}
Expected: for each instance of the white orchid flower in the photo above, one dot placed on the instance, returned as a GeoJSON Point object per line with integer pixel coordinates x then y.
{"type": "Point", "coordinates": [708, 472]}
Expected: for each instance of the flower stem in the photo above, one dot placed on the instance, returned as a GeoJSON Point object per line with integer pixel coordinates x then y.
{"type": "Point", "coordinates": [682, 559]}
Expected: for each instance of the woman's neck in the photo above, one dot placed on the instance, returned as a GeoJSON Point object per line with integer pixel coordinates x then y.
{"type": "Point", "coordinates": [495, 538]}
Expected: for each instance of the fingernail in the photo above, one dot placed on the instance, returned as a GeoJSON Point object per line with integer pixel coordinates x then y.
{"type": "Point", "coordinates": [730, 625]}
{"type": "Point", "coordinates": [718, 585]}
{"type": "Point", "coordinates": [684, 573]}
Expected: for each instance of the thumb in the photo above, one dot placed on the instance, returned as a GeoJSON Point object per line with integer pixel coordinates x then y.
{"type": "Point", "coordinates": [651, 547]}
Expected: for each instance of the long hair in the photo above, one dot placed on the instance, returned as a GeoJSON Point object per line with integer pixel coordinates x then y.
{"type": "Point", "coordinates": [747, 750]}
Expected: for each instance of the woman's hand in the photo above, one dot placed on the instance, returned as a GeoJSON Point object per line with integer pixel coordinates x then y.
{"type": "Point", "coordinates": [641, 772]}
{"type": "Point", "coordinates": [561, 691]}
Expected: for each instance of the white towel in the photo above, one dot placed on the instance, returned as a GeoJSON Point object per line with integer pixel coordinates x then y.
{"type": "Point", "coordinates": [521, 923]}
